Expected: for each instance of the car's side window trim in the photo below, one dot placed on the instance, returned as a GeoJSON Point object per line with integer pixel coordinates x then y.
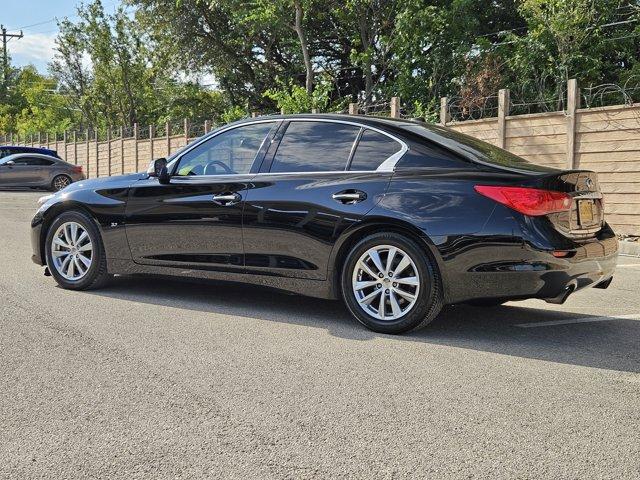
{"type": "Point", "coordinates": [269, 166]}
{"type": "Point", "coordinates": [256, 160]}
{"type": "Point", "coordinates": [267, 160]}
{"type": "Point", "coordinates": [264, 164]}
{"type": "Point", "coordinates": [354, 147]}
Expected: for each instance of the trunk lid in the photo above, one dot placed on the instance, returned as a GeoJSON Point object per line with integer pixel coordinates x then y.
{"type": "Point", "coordinates": [586, 216]}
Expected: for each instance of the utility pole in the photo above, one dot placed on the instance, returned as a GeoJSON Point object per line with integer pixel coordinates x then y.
{"type": "Point", "coordinates": [5, 58]}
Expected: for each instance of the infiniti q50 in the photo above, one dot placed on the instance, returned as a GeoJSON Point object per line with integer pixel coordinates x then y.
{"type": "Point", "coordinates": [396, 218]}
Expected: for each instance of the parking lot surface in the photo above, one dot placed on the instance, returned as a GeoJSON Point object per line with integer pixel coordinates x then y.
{"type": "Point", "coordinates": [158, 378]}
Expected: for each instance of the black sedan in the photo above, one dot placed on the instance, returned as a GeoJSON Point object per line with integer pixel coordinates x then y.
{"type": "Point", "coordinates": [397, 218]}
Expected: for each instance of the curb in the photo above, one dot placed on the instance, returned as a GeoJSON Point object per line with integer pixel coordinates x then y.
{"type": "Point", "coordinates": [631, 249]}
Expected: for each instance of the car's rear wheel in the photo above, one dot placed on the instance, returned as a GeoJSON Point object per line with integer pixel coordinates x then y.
{"type": "Point", "coordinates": [390, 284]}
{"type": "Point", "coordinates": [75, 253]}
{"type": "Point", "coordinates": [60, 181]}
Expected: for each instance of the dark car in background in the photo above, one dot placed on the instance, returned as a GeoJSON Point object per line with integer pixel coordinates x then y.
{"type": "Point", "coordinates": [6, 150]}
{"type": "Point", "coordinates": [34, 170]}
{"type": "Point", "coordinates": [397, 218]}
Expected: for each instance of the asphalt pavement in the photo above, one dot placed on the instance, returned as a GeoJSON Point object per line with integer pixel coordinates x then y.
{"type": "Point", "coordinates": [162, 379]}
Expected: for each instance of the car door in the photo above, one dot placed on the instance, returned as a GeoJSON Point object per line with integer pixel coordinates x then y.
{"type": "Point", "coordinates": [7, 172]}
{"type": "Point", "coordinates": [306, 195]}
{"type": "Point", "coordinates": [22, 172]}
{"type": "Point", "coordinates": [195, 220]}
{"type": "Point", "coordinates": [43, 169]}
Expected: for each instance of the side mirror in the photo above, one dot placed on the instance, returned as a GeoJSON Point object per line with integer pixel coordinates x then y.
{"type": "Point", "coordinates": [158, 168]}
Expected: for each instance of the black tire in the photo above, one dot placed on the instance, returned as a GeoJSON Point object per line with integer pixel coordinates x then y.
{"type": "Point", "coordinates": [429, 299]}
{"type": "Point", "coordinates": [97, 275]}
{"type": "Point", "coordinates": [486, 302]}
{"type": "Point", "coordinates": [60, 181]}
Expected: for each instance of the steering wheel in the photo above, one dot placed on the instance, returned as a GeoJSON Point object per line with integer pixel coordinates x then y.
{"type": "Point", "coordinates": [222, 165]}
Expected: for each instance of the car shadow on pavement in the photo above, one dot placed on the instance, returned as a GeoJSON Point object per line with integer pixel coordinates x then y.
{"type": "Point", "coordinates": [612, 343]}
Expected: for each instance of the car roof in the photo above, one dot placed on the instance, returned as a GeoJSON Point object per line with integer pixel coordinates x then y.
{"type": "Point", "coordinates": [27, 147]}
{"type": "Point", "coordinates": [32, 155]}
{"type": "Point", "coordinates": [363, 119]}
{"type": "Point", "coordinates": [399, 126]}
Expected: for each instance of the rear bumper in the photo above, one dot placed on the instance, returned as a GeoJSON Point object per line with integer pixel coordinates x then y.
{"type": "Point", "coordinates": [517, 272]}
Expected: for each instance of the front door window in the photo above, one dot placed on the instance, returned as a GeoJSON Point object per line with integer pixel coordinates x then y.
{"type": "Point", "coordinates": [231, 152]}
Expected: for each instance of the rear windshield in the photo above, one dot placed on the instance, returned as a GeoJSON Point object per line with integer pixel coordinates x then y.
{"type": "Point", "coordinates": [471, 147]}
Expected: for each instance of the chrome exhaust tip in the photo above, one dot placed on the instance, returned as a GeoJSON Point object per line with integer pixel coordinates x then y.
{"type": "Point", "coordinates": [560, 299]}
{"type": "Point", "coordinates": [604, 284]}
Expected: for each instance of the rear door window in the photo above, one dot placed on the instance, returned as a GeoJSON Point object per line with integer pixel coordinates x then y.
{"type": "Point", "coordinates": [309, 146]}
{"type": "Point", "coordinates": [33, 161]}
{"type": "Point", "coordinates": [372, 150]}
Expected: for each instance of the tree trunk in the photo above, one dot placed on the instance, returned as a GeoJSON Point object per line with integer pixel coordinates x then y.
{"type": "Point", "coordinates": [303, 45]}
{"type": "Point", "coordinates": [366, 34]}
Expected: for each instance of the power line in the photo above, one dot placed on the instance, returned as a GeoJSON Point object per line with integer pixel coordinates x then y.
{"type": "Point", "coordinates": [39, 23]}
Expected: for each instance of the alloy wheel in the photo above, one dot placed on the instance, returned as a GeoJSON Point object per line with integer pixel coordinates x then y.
{"type": "Point", "coordinates": [61, 182]}
{"type": "Point", "coordinates": [71, 251]}
{"type": "Point", "coordinates": [386, 282]}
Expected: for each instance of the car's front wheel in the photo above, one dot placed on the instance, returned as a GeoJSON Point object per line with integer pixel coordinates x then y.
{"type": "Point", "coordinates": [390, 284]}
{"type": "Point", "coordinates": [75, 253]}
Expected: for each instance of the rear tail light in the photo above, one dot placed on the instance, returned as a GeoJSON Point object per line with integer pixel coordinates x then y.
{"type": "Point", "coordinates": [530, 201]}
{"type": "Point", "coordinates": [77, 169]}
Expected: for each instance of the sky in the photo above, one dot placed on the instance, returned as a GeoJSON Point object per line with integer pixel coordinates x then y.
{"type": "Point", "coordinates": [37, 20]}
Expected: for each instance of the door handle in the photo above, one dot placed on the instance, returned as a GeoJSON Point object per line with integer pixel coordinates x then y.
{"type": "Point", "coordinates": [227, 198]}
{"type": "Point", "coordinates": [352, 196]}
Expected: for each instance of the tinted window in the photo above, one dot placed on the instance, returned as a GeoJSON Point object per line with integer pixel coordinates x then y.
{"type": "Point", "coordinates": [40, 161]}
{"type": "Point", "coordinates": [373, 149]}
{"type": "Point", "coordinates": [32, 161]}
{"type": "Point", "coordinates": [315, 147]}
{"type": "Point", "coordinates": [227, 153]}
{"type": "Point", "coordinates": [477, 149]}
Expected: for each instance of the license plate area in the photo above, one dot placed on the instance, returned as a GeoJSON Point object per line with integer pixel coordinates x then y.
{"type": "Point", "coordinates": [587, 215]}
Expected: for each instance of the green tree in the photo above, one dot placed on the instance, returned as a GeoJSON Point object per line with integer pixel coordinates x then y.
{"type": "Point", "coordinates": [34, 104]}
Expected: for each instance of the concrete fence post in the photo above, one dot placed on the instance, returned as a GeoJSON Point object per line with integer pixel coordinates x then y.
{"type": "Point", "coordinates": [353, 109]}
{"type": "Point", "coordinates": [108, 151]}
{"type": "Point", "coordinates": [136, 135]}
{"type": "Point", "coordinates": [573, 99]}
{"type": "Point", "coordinates": [395, 107]}
{"type": "Point", "coordinates": [86, 138]}
{"type": "Point", "coordinates": [254, 114]}
{"type": "Point", "coordinates": [39, 138]}
{"type": "Point", "coordinates": [75, 148]}
{"type": "Point", "coordinates": [314, 110]}
{"type": "Point", "coordinates": [152, 132]}
{"type": "Point", "coordinates": [504, 102]}
{"type": "Point", "coordinates": [282, 112]}
{"type": "Point", "coordinates": [444, 111]}
{"type": "Point", "coordinates": [186, 127]}
{"type": "Point", "coordinates": [207, 126]}
{"type": "Point", "coordinates": [64, 140]}
{"type": "Point", "coordinates": [121, 150]}
{"type": "Point", "coordinates": [31, 138]}
{"type": "Point", "coordinates": [46, 136]}
{"type": "Point", "coordinates": [97, 153]}
{"type": "Point", "coordinates": [167, 131]}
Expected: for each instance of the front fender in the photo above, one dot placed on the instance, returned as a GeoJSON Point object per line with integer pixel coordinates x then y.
{"type": "Point", "coordinates": [106, 206]}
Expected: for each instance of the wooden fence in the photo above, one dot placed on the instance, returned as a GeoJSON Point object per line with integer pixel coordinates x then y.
{"type": "Point", "coordinates": [605, 140]}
